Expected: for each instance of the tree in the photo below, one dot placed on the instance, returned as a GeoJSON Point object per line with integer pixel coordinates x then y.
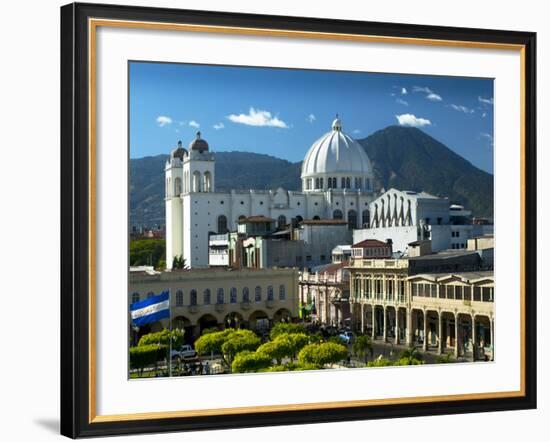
{"type": "Point", "coordinates": [284, 346]}
{"type": "Point", "coordinates": [178, 262]}
{"type": "Point", "coordinates": [285, 328]}
{"type": "Point", "coordinates": [322, 354]}
{"type": "Point", "coordinates": [163, 338]}
{"type": "Point", "coordinates": [249, 362]}
{"type": "Point", "coordinates": [144, 355]}
{"type": "Point", "coordinates": [362, 346]}
{"type": "Point", "coordinates": [410, 356]}
{"type": "Point", "coordinates": [228, 343]}
{"type": "Point", "coordinates": [147, 252]}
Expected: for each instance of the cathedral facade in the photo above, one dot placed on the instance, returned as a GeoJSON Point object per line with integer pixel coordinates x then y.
{"type": "Point", "coordinates": [337, 183]}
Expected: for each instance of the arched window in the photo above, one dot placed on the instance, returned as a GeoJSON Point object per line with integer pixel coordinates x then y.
{"type": "Point", "coordinates": [348, 183]}
{"type": "Point", "coordinates": [135, 297]}
{"type": "Point", "coordinates": [299, 219]}
{"type": "Point", "coordinates": [206, 295]}
{"type": "Point", "coordinates": [270, 293]}
{"type": "Point", "coordinates": [335, 183]}
{"type": "Point", "coordinates": [196, 181]}
{"type": "Point", "coordinates": [246, 294]}
{"type": "Point", "coordinates": [233, 295]}
{"type": "Point", "coordinates": [150, 295]}
{"type": "Point", "coordinates": [258, 294]}
{"type": "Point", "coordinates": [321, 184]}
{"type": "Point", "coordinates": [193, 297]}
{"type": "Point", "coordinates": [358, 183]}
{"type": "Point", "coordinates": [179, 298]}
{"type": "Point", "coordinates": [207, 185]}
{"type": "Point", "coordinates": [281, 222]}
{"type": "Point", "coordinates": [343, 181]}
{"type": "Point", "coordinates": [337, 214]}
{"type": "Point", "coordinates": [220, 297]}
{"type": "Point", "coordinates": [177, 186]}
{"type": "Point", "coordinates": [222, 224]}
{"type": "Point", "coordinates": [329, 182]}
{"type": "Point", "coordinates": [352, 219]}
{"type": "Point", "coordinates": [365, 218]}
{"type": "Point", "coordinates": [316, 217]}
{"type": "Point", "coordinates": [316, 183]}
{"type": "Point", "coordinates": [367, 184]}
{"type": "Point", "coordinates": [282, 292]}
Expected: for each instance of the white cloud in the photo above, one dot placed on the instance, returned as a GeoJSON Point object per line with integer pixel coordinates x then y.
{"type": "Point", "coordinates": [426, 90]}
{"type": "Point", "coordinates": [194, 124]}
{"type": "Point", "coordinates": [430, 94]}
{"type": "Point", "coordinates": [401, 101]}
{"type": "Point", "coordinates": [484, 114]}
{"type": "Point", "coordinates": [412, 120]}
{"type": "Point", "coordinates": [311, 118]}
{"type": "Point", "coordinates": [356, 131]}
{"type": "Point", "coordinates": [163, 120]}
{"type": "Point", "coordinates": [460, 108]}
{"type": "Point", "coordinates": [257, 117]}
{"type": "Point", "coordinates": [403, 91]}
{"type": "Point", "coordinates": [487, 101]}
{"type": "Point", "coordinates": [218, 126]}
{"type": "Point", "coordinates": [434, 97]}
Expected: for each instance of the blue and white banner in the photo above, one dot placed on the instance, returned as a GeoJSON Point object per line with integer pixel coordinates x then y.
{"type": "Point", "coordinates": [150, 310]}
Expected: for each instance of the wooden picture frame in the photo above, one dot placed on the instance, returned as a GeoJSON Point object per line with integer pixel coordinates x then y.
{"type": "Point", "coordinates": [79, 23]}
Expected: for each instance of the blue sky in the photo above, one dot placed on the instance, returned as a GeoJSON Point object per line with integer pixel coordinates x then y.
{"type": "Point", "coordinates": [281, 112]}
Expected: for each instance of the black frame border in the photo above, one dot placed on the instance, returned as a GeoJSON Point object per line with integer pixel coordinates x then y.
{"type": "Point", "coordinates": [75, 220]}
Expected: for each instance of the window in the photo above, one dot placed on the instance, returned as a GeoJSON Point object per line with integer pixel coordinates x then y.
{"type": "Point", "coordinates": [193, 297]}
{"type": "Point", "coordinates": [206, 295]}
{"type": "Point", "coordinates": [282, 293]}
{"type": "Point", "coordinates": [246, 295]}
{"type": "Point", "coordinates": [337, 214]}
{"type": "Point", "coordinates": [343, 186]}
{"type": "Point", "coordinates": [348, 183]}
{"type": "Point", "coordinates": [467, 293]}
{"type": "Point", "coordinates": [281, 222]}
{"type": "Point", "coordinates": [308, 257]}
{"type": "Point", "coordinates": [233, 295]}
{"type": "Point", "coordinates": [321, 184]}
{"type": "Point", "coordinates": [458, 292]}
{"type": "Point", "coordinates": [358, 183]}
{"type": "Point", "coordinates": [135, 297]}
{"type": "Point", "coordinates": [352, 219]}
{"type": "Point", "coordinates": [365, 218]}
{"type": "Point", "coordinates": [270, 293]}
{"type": "Point", "coordinates": [434, 291]}
{"type": "Point", "coordinates": [222, 224]}
{"type": "Point", "coordinates": [220, 297]}
{"type": "Point", "coordinates": [323, 257]}
{"type": "Point", "coordinates": [258, 294]}
{"type": "Point", "coordinates": [316, 183]}
{"type": "Point", "coordinates": [439, 220]}
{"type": "Point", "coordinates": [179, 298]}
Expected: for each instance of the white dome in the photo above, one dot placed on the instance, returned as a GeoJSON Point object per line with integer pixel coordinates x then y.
{"type": "Point", "coordinates": [336, 154]}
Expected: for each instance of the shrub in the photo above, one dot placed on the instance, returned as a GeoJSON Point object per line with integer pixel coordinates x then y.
{"type": "Point", "coordinates": [380, 362]}
{"type": "Point", "coordinates": [163, 338]}
{"type": "Point", "coordinates": [285, 328]}
{"type": "Point", "coordinates": [321, 354]}
{"type": "Point", "coordinates": [144, 355]}
{"type": "Point", "coordinates": [248, 362]}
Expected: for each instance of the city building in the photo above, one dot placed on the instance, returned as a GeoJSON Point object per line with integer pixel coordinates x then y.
{"type": "Point", "coordinates": [337, 183]}
{"type": "Point", "coordinates": [407, 217]}
{"type": "Point", "coordinates": [204, 298]}
{"type": "Point", "coordinates": [440, 301]}
{"type": "Point", "coordinates": [259, 243]}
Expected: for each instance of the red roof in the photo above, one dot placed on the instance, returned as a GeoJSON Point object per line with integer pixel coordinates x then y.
{"type": "Point", "coordinates": [370, 243]}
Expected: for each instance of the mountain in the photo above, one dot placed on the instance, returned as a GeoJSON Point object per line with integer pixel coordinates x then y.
{"type": "Point", "coordinates": [402, 157]}
{"type": "Point", "coordinates": [408, 159]}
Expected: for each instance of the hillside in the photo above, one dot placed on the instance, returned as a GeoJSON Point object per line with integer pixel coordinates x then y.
{"type": "Point", "coordinates": [402, 157]}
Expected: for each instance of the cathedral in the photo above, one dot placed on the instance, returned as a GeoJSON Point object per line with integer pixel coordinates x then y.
{"type": "Point", "coordinates": [337, 183]}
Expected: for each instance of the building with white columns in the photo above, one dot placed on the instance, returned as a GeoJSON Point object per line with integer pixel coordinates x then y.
{"type": "Point", "coordinates": [337, 183]}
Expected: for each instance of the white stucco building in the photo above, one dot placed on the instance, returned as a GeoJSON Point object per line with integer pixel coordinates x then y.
{"type": "Point", "coordinates": [337, 181]}
{"type": "Point", "coordinates": [406, 217]}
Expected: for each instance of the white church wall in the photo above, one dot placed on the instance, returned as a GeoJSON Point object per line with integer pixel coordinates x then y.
{"type": "Point", "coordinates": [400, 236]}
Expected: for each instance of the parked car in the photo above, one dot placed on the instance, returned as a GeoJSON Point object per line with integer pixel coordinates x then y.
{"type": "Point", "coordinates": [184, 352]}
{"type": "Point", "coordinates": [347, 337]}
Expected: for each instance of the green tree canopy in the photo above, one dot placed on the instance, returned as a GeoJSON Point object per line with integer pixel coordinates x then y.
{"type": "Point", "coordinates": [228, 343]}
{"type": "Point", "coordinates": [148, 252]}
{"type": "Point", "coordinates": [286, 328]}
{"type": "Point", "coordinates": [249, 362]}
{"type": "Point", "coordinates": [163, 338]}
{"type": "Point", "coordinates": [144, 355]}
{"type": "Point", "coordinates": [362, 345]}
{"type": "Point", "coordinates": [410, 356]}
{"type": "Point", "coordinates": [321, 354]}
{"type": "Point", "coordinates": [380, 362]}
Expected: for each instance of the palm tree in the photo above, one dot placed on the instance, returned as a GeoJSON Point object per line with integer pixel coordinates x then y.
{"type": "Point", "coordinates": [363, 345]}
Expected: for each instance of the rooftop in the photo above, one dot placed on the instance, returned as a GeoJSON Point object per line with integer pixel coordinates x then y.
{"type": "Point", "coordinates": [370, 243]}
{"type": "Point", "coordinates": [445, 254]}
{"type": "Point", "coordinates": [464, 276]}
{"type": "Point", "coordinates": [256, 219]}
